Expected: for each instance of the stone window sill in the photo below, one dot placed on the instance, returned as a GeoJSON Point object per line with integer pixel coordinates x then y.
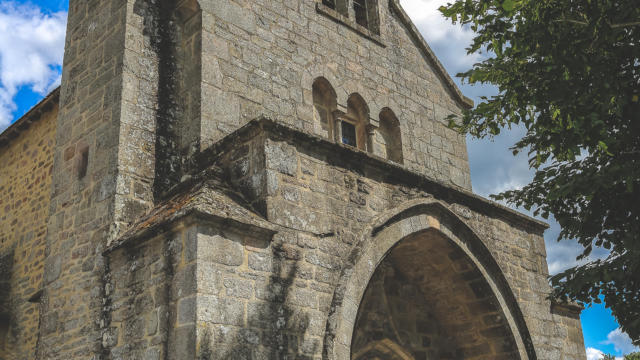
{"type": "Point", "coordinates": [359, 29]}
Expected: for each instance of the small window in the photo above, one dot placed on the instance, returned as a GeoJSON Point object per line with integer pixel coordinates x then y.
{"type": "Point", "coordinates": [349, 134]}
{"type": "Point", "coordinates": [83, 161]}
{"type": "Point", "coordinates": [361, 12]}
{"type": "Point", "coordinates": [354, 124]}
{"type": "Point", "coordinates": [359, 15]}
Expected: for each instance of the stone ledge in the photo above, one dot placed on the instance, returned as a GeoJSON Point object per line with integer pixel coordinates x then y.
{"type": "Point", "coordinates": [341, 19]}
{"type": "Point", "coordinates": [196, 198]}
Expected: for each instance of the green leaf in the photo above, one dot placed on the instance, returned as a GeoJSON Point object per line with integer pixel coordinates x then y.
{"type": "Point", "coordinates": [569, 76]}
{"type": "Point", "coordinates": [602, 146]}
{"type": "Point", "coordinates": [508, 5]}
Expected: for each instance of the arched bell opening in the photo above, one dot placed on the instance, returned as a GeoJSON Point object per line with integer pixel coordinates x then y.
{"type": "Point", "coordinates": [390, 137]}
{"type": "Point", "coordinates": [325, 106]}
{"type": "Point", "coordinates": [428, 300]}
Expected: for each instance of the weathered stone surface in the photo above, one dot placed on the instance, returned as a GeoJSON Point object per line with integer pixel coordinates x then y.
{"type": "Point", "coordinates": [26, 162]}
{"type": "Point", "coordinates": [219, 310]}
{"type": "Point", "coordinates": [215, 248]}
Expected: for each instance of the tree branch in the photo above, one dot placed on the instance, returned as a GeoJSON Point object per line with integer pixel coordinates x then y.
{"type": "Point", "coordinates": [613, 26]}
{"type": "Point", "coordinates": [634, 23]}
{"type": "Point", "coordinates": [572, 21]}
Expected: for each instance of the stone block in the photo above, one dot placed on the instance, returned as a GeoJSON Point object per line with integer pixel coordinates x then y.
{"type": "Point", "coordinates": [220, 310]}
{"type": "Point", "coordinates": [187, 311]}
{"type": "Point", "coordinates": [53, 268]}
{"type": "Point", "coordinates": [184, 281]}
{"type": "Point", "coordinates": [281, 157]}
{"type": "Point", "coordinates": [238, 287]}
{"type": "Point", "coordinates": [218, 249]}
{"type": "Point", "coordinates": [182, 345]}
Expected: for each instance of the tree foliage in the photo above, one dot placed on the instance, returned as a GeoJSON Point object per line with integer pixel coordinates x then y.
{"type": "Point", "coordinates": [569, 72]}
{"type": "Point", "coordinates": [632, 356]}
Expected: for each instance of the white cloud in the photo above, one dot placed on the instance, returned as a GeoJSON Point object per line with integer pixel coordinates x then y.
{"type": "Point", "coordinates": [594, 354]}
{"type": "Point", "coordinates": [493, 166]}
{"type": "Point", "coordinates": [31, 51]}
{"type": "Point", "coordinates": [447, 40]}
{"type": "Point", "coordinates": [621, 342]}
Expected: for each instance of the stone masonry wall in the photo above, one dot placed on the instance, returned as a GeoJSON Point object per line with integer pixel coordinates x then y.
{"type": "Point", "coordinates": [103, 168]}
{"type": "Point", "coordinates": [568, 331]}
{"type": "Point", "coordinates": [145, 282]}
{"type": "Point", "coordinates": [321, 191]}
{"type": "Point", "coordinates": [311, 195]}
{"type": "Point", "coordinates": [25, 181]}
{"type": "Point", "coordinates": [220, 289]}
{"type": "Point", "coordinates": [261, 58]}
{"type": "Point", "coordinates": [227, 290]}
{"type": "Point", "coordinates": [210, 288]}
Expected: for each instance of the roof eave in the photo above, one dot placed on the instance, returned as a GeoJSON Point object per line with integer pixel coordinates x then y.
{"type": "Point", "coordinates": [462, 100]}
{"type": "Point", "coordinates": [33, 115]}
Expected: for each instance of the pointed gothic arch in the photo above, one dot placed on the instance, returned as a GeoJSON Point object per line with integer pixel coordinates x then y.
{"type": "Point", "coordinates": [423, 224]}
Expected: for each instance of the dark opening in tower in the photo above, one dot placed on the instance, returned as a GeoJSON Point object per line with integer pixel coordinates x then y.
{"type": "Point", "coordinates": [361, 12]}
{"type": "Point", "coordinates": [349, 134]}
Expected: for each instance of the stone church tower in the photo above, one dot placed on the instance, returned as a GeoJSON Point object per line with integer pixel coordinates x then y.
{"type": "Point", "coordinates": [270, 179]}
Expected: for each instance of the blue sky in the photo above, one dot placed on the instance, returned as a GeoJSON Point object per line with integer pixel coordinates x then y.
{"type": "Point", "coordinates": [31, 49]}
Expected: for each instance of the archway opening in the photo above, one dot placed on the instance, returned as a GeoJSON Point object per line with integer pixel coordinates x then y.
{"type": "Point", "coordinates": [428, 300]}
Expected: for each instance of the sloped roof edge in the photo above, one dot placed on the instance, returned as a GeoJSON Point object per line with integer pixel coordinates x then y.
{"type": "Point", "coordinates": [33, 115]}
{"type": "Point", "coordinates": [464, 101]}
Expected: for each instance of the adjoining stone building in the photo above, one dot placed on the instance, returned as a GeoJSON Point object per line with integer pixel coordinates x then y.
{"type": "Point", "coordinates": [252, 179]}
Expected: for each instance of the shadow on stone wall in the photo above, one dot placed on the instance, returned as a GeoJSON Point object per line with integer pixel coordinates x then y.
{"type": "Point", "coordinates": [6, 269]}
{"type": "Point", "coordinates": [275, 328]}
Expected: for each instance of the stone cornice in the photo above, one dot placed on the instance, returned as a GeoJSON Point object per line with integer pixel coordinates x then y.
{"type": "Point", "coordinates": [564, 308]}
{"type": "Point", "coordinates": [361, 162]}
{"type": "Point", "coordinates": [206, 196]}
